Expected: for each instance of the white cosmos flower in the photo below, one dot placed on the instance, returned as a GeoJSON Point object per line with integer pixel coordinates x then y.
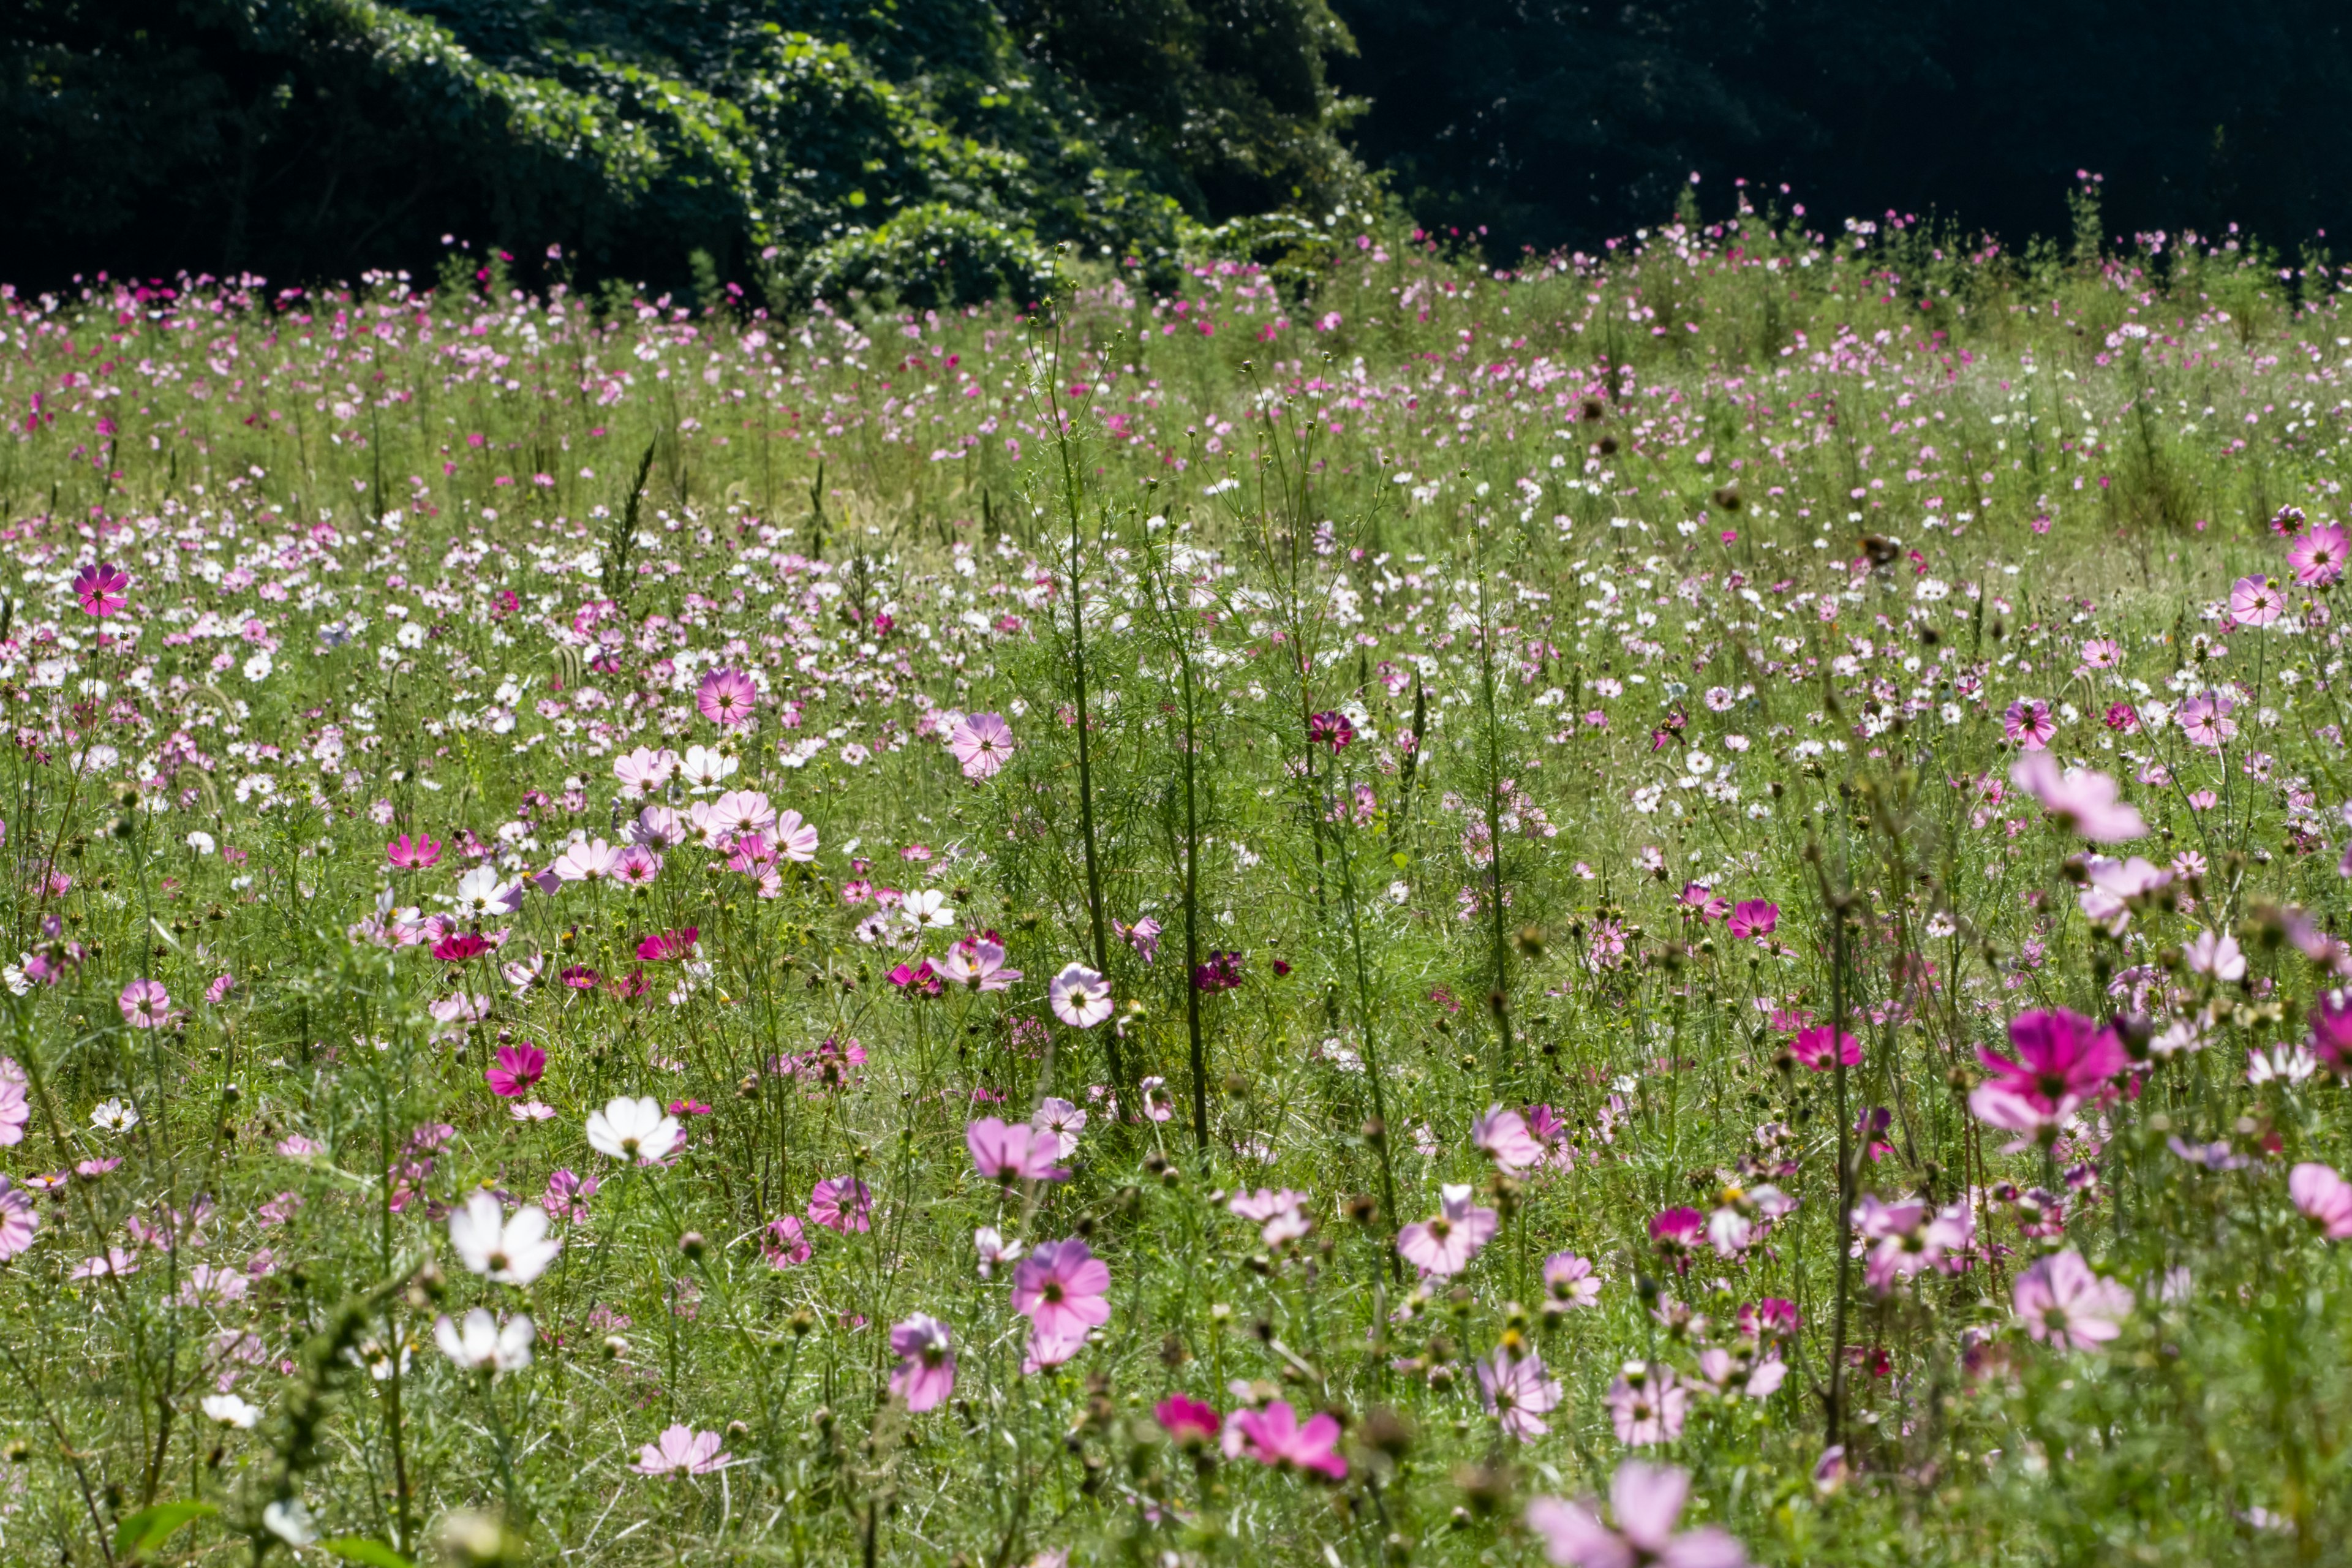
{"type": "Point", "coordinates": [927, 909]}
{"type": "Point", "coordinates": [505, 1251]}
{"type": "Point", "coordinates": [114, 1115]}
{"type": "Point", "coordinates": [291, 1523]}
{"type": "Point", "coordinates": [230, 1410]}
{"type": "Point", "coordinates": [481, 1344]}
{"type": "Point", "coordinates": [703, 768]}
{"type": "Point", "coordinates": [1081, 998]}
{"type": "Point", "coordinates": [481, 892]}
{"type": "Point", "coordinates": [632, 1129]}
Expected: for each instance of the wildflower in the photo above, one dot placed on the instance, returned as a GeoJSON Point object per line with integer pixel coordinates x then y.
{"type": "Point", "coordinates": [1519, 1392]}
{"type": "Point", "coordinates": [114, 1115]}
{"type": "Point", "coordinates": [2254, 602]}
{"type": "Point", "coordinates": [682, 1451]}
{"type": "Point", "coordinates": [1444, 1244]}
{"type": "Point", "coordinates": [420, 853]}
{"type": "Point", "coordinates": [567, 1196]}
{"type": "Point", "coordinates": [784, 1244]}
{"type": "Point", "coordinates": [2215, 954]}
{"type": "Point", "coordinates": [1157, 1103]}
{"type": "Point", "coordinates": [504, 1251]}
{"type": "Point", "coordinates": [665, 946]}
{"type": "Point", "coordinates": [1503, 1137]}
{"type": "Point", "coordinates": [2080, 799]}
{"type": "Point", "coordinates": [2063, 1060]}
{"type": "Point", "coordinates": [592, 860]}
{"type": "Point", "coordinates": [1647, 1404]}
{"type": "Point", "coordinates": [1080, 998]}
{"type": "Point", "coordinates": [18, 1220]}
{"type": "Point", "coordinates": [1740, 1212]}
{"type": "Point", "coordinates": [516, 1070]}
{"type": "Point", "coordinates": [1703, 902]}
{"type": "Point", "coordinates": [926, 1371]}
{"type": "Point", "coordinates": [2028, 723]}
{"type": "Point", "coordinates": [1811, 1047]}
{"type": "Point", "coordinates": [228, 1410]}
{"type": "Point", "coordinates": [289, 1520]}
{"type": "Point", "coordinates": [1060, 1288]}
{"type": "Point", "coordinates": [980, 744]}
{"type": "Point", "coordinates": [1331, 730]}
{"type": "Point", "coordinates": [2318, 555]}
{"type": "Point", "coordinates": [630, 1129]}
{"type": "Point", "coordinates": [482, 894]}
{"type": "Point", "coordinates": [2206, 720]}
{"type": "Point", "coordinates": [1009, 1154]}
{"type": "Point", "coordinates": [727, 698]}
{"type": "Point", "coordinates": [841, 1203]}
{"type": "Point", "coordinates": [16, 1112]}
{"type": "Point", "coordinates": [1143, 936]}
{"type": "Point", "coordinates": [145, 1004]}
{"type": "Point", "coordinates": [977, 962]}
{"type": "Point", "coordinates": [1274, 1436]}
{"type": "Point", "coordinates": [2331, 1030]}
{"type": "Point", "coordinates": [1282, 1216]}
{"type": "Point", "coordinates": [1223, 972]}
{"type": "Point", "coordinates": [2063, 1303]}
{"type": "Point", "coordinates": [101, 590]}
{"type": "Point", "coordinates": [2106, 899]}
{"type": "Point", "coordinates": [1648, 1501]}
{"type": "Point", "coordinates": [993, 1249]}
{"type": "Point", "coordinates": [481, 1343]}
{"type": "Point", "coordinates": [1192, 1423]}
{"type": "Point", "coordinates": [2325, 1198]}
{"type": "Point", "coordinates": [1064, 1120]}
{"type": "Point", "coordinates": [1752, 920]}
{"type": "Point", "coordinates": [1569, 1280]}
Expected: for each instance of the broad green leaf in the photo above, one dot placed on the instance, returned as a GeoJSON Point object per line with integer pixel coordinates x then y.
{"type": "Point", "coordinates": [360, 1549]}
{"type": "Point", "coordinates": [146, 1529]}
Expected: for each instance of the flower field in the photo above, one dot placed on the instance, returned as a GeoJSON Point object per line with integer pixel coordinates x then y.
{"type": "Point", "coordinates": [1673, 907]}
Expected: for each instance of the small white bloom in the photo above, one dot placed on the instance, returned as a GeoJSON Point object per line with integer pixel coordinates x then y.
{"type": "Point", "coordinates": [632, 1129]}
{"type": "Point", "coordinates": [505, 1251]}
{"type": "Point", "coordinates": [230, 1410]}
{"type": "Point", "coordinates": [482, 1344]}
{"type": "Point", "coordinates": [114, 1115]}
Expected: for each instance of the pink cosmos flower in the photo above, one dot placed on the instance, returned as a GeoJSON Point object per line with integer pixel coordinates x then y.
{"type": "Point", "coordinates": [2206, 720]}
{"type": "Point", "coordinates": [591, 860]}
{"type": "Point", "coordinates": [567, 1196]}
{"type": "Point", "coordinates": [419, 853]}
{"type": "Point", "coordinates": [2325, 1198]}
{"type": "Point", "coordinates": [1333, 730]}
{"type": "Point", "coordinates": [1143, 936]}
{"type": "Point", "coordinates": [1192, 1423]}
{"type": "Point", "coordinates": [1061, 1121]}
{"type": "Point", "coordinates": [1080, 998]}
{"type": "Point", "coordinates": [1752, 920]}
{"type": "Point", "coordinates": [2028, 723]}
{"type": "Point", "coordinates": [664, 946]}
{"type": "Point", "coordinates": [1517, 1392]}
{"type": "Point", "coordinates": [727, 698]}
{"type": "Point", "coordinates": [841, 1203]}
{"type": "Point", "coordinates": [785, 1243]}
{"type": "Point", "coordinates": [980, 743]}
{"type": "Point", "coordinates": [516, 1070]}
{"type": "Point", "coordinates": [145, 1004]}
{"type": "Point", "coordinates": [2318, 555]}
{"type": "Point", "coordinates": [1811, 1047]}
{"type": "Point", "coordinates": [1901, 1238]}
{"type": "Point", "coordinates": [2255, 602]}
{"type": "Point", "coordinates": [977, 962]}
{"type": "Point", "coordinates": [1675, 1232]}
{"type": "Point", "coordinates": [2063, 1303]}
{"type": "Point", "coordinates": [18, 1220]}
{"type": "Point", "coordinates": [1648, 1501]}
{"type": "Point", "coordinates": [1703, 902]}
{"type": "Point", "coordinates": [2331, 1030]}
{"type": "Point", "coordinates": [1444, 1244]}
{"type": "Point", "coordinates": [926, 1371]}
{"type": "Point", "coordinates": [1503, 1137]}
{"type": "Point", "coordinates": [2064, 1061]}
{"type": "Point", "coordinates": [1015, 1152]}
{"type": "Point", "coordinates": [1647, 1405]}
{"type": "Point", "coordinates": [16, 1111]}
{"type": "Point", "coordinates": [682, 1451]}
{"type": "Point", "coordinates": [1274, 1436]}
{"type": "Point", "coordinates": [645, 772]}
{"type": "Point", "coordinates": [1569, 1281]}
{"type": "Point", "coordinates": [1060, 1288]}
{"type": "Point", "coordinates": [2215, 954]}
{"type": "Point", "coordinates": [2106, 899]}
{"type": "Point", "coordinates": [2082, 800]}
{"type": "Point", "coordinates": [101, 589]}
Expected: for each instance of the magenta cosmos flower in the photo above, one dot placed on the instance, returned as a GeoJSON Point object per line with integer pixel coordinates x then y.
{"type": "Point", "coordinates": [925, 1374]}
{"type": "Point", "coordinates": [1811, 1047]}
{"type": "Point", "coordinates": [1274, 1436]}
{"type": "Point", "coordinates": [2064, 1061]}
{"type": "Point", "coordinates": [145, 1004]}
{"type": "Point", "coordinates": [2028, 723]}
{"type": "Point", "coordinates": [1444, 1244]}
{"type": "Point", "coordinates": [841, 1203]}
{"type": "Point", "coordinates": [980, 743]}
{"type": "Point", "coordinates": [2063, 1303]}
{"type": "Point", "coordinates": [682, 1451]}
{"type": "Point", "coordinates": [1192, 1423]}
{"type": "Point", "coordinates": [727, 698]}
{"type": "Point", "coordinates": [516, 1070]}
{"type": "Point", "coordinates": [1331, 730]}
{"type": "Point", "coordinates": [1060, 1288]}
{"type": "Point", "coordinates": [1648, 1501]}
{"type": "Point", "coordinates": [2325, 1198]}
{"type": "Point", "coordinates": [1080, 998]}
{"type": "Point", "coordinates": [2087, 802]}
{"type": "Point", "coordinates": [103, 590]}
{"type": "Point", "coordinates": [2255, 602]}
{"type": "Point", "coordinates": [1013, 1152]}
{"type": "Point", "coordinates": [1752, 920]}
{"type": "Point", "coordinates": [419, 853]}
{"type": "Point", "coordinates": [2331, 1030]}
{"type": "Point", "coordinates": [2318, 555]}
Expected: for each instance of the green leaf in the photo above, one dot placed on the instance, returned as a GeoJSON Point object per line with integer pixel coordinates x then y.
{"type": "Point", "coordinates": [146, 1529]}
{"type": "Point", "coordinates": [360, 1549]}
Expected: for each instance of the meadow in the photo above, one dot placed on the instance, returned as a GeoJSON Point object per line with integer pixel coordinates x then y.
{"type": "Point", "coordinates": [1672, 907]}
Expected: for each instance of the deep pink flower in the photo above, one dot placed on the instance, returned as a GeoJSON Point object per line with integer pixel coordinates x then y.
{"type": "Point", "coordinates": [1811, 1047]}
{"type": "Point", "coordinates": [1648, 1501]}
{"type": "Point", "coordinates": [926, 1371]}
{"type": "Point", "coordinates": [101, 589]}
{"type": "Point", "coordinates": [2318, 555]}
{"type": "Point", "coordinates": [1192, 1423]}
{"type": "Point", "coordinates": [1444, 1244]}
{"type": "Point", "coordinates": [2085, 801]}
{"type": "Point", "coordinates": [145, 1004]}
{"type": "Point", "coordinates": [1331, 730]}
{"type": "Point", "coordinates": [664, 946]}
{"type": "Point", "coordinates": [1274, 1436]}
{"type": "Point", "coordinates": [1752, 919]}
{"type": "Point", "coordinates": [420, 853]}
{"type": "Point", "coordinates": [2331, 1030]}
{"type": "Point", "coordinates": [2028, 722]}
{"type": "Point", "coordinates": [2064, 1061]}
{"type": "Point", "coordinates": [516, 1070]}
{"type": "Point", "coordinates": [461, 946]}
{"type": "Point", "coordinates": [1675, 1232]}
{"type": "Point", "coordinates": [841, 1203]}
{"type": "Point", "coordinates": [981, 743]}
{"type": "Point", "coordinates": [1015, 1152]}
{"type": "Point", "coordinates": [785, 1243]}
{"type": "Point", "coordinates": [2325, 1198]}
{"type": "Point", "coordinates": [1060, 1288]}
{"type": "Point", "coordinates": [727, 698]}
{"type": "Point", "coordinates": [1704, 902]}
{"type": "Point", "coordinates": [2063, 1303]}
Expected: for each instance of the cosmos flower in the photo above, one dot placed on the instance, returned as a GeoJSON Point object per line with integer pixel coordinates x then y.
{"type": "Point", "coordinates": [1080, 998]}
{"type": "Point", "coordinates": [504, 1251]}
{"type": "Point", "coordinates": [1648, 1501]}
{"type": "Point", "coordinates": [2317, 554]}
{"type": "Point", "coordinates": [682, 1451]}
{"type": "Point", "coordinates": [1519, 1392]}
{"type": "Point", "coordinates": [981, 743]}
{"type": "Point", "coordinates": [1274, 1436]}
{"type": "Point", "coordinates": [842, 1204]}
{"type": "Point", "coordinates": [481, 1343]}
{"type": "Point", "coordinates": [1016, 1153]}
{"type": "Point", "coordinates": [145, 1004]}
{"type": "Point", "coordinates": [1444, 1244]}
{"type": "Point", "coordinates": [101, 590]}
{"type": "Point", "coordinates": [517, 1068]}
{"type": "Point", "coordinates": [2063, 1303]}
{"type": "Point", "coordinates": [636, 1129]}
{"type": "Point", "coordinates": [925, 1375]}
{"type": "Point", "coordinates": [2324, 1197]}
{"type": "Point", "coordinates": [2084, 801]}
{"type": "Point", "coordinates": [1060, 1288]}
{"type": "Point", "coordinates": [727, 698]}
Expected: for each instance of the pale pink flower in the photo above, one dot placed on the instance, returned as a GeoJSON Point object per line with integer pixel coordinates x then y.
{"type": "Point", "coordinates": [1648, 1501]}
{"type": "Point", "coordinates": [979, 963]}
{"type": "Point", "coordinates": [981, 743]}
{"type": "Point", "coordinates": [1275, 1437]}
{"type": "Point", "coordinates": [2085, 801]}
{"type": "Point", "coordinates": [2318, 555]}
{"type": "Point", "coordinates": [926, 1371]}
{"type": "Point", "coordinates": [1062, 1120]}
{"type": "Point", "coordinates": [1519, 1392]}
{"type": "Point", "coordinates": [1569, 1280]}
{"type": "Point", "coordinates": [1060, 1288]}
{"type": "Point", "coordinates": [1444, 1244]}
{"type": "Point", "coordinates": [2325, 1198]}
{"type": "Point", "coordinates": [1016, 1153]}
{"type": "Point", "coordinates": [2255, 602]}
{"type": "Point", "coordinates": [1647, 1405]}
{"type": "Point", "coordinates": [592, 860]}
{"type": "Point", "coordinates": [145, 1004]}
{"type": "Point", "coordinates": [1503, 1137]}
{"type": "Point", "coordinates": [2217, 955]}
{"type": "Point", "coordinates": [2063, 1303]}
{"type": "Point", "coordinates": [1079, 996]}
{"type": "Point", "coordinates": [682, 1451]}
{"type": "Point", "coordinates": [19, 1219]}
{"type": "Point", "coordinates": [841, 1203]}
